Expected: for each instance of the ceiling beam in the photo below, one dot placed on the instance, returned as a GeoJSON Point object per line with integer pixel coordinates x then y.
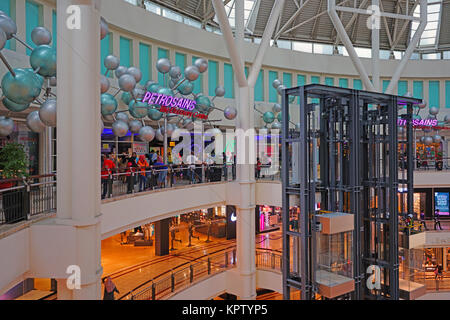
{"type": "Point", "coordinates": [291, 19]}
{"type": "Point", "coordinates": [314, 28]}
{"type": "Point", "coordinates": [350, 22]}
{"type": "Point", "coordinates": [403, 29]}
{"type": "Point", "coordinates": [388, 32]}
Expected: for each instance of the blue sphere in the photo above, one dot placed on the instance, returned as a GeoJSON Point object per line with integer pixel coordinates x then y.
{"type": "Point", "coordinates": [44, 58]}
{"type": "Point", "coordinates": [108, 103]}
{"type": "Point", "coordinates": [268, 117]}
{"type": "Point", "coordinates": [14, 107]}
{"type": "Point", "coordinates": [154, 114]}
{"type": "Point", "coordinates": [280, 117]}
{"type": "Point", "coordinates": [166, 91]}
{"type": "Point", "coordinates": [203, 103]}
{"type": "Point", "coordinates": [23, 88]}
{"type": "Point", "coordinates": [186, 88]}
{"type": "Point", "coordinates": [153, 88]}
{"type": "Point", "coordinates": [126, 98]}
{"type": "Point", "coordinates": [138, 109]}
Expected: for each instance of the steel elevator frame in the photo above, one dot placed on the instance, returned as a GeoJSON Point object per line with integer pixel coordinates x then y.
{"type": "Point", "coordinates": [359, 173]}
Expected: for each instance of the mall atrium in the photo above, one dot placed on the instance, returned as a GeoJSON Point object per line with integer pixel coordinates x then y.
{"type": "Point", "coordinates": [225, 149]}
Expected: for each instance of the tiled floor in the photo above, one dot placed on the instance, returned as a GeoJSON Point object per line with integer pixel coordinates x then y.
{"type": "Point", "coordinates": [131, 266]}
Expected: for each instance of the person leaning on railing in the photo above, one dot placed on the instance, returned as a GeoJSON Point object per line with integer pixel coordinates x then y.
{"type": "Point", "coordinates": [143, 165]}
{"type": "Point", "coordinates": [131, 169]}
{"type": "Point", "coordinates": [107, 168]}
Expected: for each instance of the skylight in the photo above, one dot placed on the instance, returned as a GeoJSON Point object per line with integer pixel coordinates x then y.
{"type": "Point", "coordinates": [230, 9]}
{"type": "Point", "coordinates": [429, 36]}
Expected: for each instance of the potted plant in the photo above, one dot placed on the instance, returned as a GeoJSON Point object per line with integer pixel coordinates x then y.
{"type": "Point", "coordinates": [14, 165]}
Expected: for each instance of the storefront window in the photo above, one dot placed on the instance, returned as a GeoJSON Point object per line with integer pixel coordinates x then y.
{"type": "Point", "coordinates": [426, 155]}
{"type": "Point", "coordinates": [29, 140]}
{"type": "Point", "coordinates": [269, 218]}
{"type": "Point", "coordinates": [419, 204]}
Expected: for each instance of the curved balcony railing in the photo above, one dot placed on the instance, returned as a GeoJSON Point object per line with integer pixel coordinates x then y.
{"type": "Point", "coordinates": [189, 273]}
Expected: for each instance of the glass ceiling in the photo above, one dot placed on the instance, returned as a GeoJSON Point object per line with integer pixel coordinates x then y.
{"type": "Point", "coordinates": [430, 33]}
{"type": "Point", "coordinates": [230, 10]}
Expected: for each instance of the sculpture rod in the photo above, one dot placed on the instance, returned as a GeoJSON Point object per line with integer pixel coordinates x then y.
{"type": "Point", "coordinates": [5, 62]}
{"type": "Point", "coordinates": [179, 84]}
{"type": "Point", "coordinates": [22, 42]}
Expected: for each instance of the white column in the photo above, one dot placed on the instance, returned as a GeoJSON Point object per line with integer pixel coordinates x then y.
{"type": "Point", "coordinates": [78, 143]}
{"type": "Point", "coordinates": [376, 50]}
{"type": "Point", "coordinates": [21, 26]}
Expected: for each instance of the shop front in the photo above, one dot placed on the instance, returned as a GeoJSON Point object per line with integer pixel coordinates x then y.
{"type": "Point", "coordinates": [268, 218]}
{"type": "Point", "coordinates": [428, 200]}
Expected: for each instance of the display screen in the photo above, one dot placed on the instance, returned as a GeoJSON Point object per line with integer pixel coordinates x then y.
{"type": "Point", "coordinates": [441, 203]}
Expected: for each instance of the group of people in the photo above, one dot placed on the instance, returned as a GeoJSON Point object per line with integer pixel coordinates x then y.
{"type": "Point", "coordinates": [149, 171]}
{"type": "Point", "coordinates": [138, 166]}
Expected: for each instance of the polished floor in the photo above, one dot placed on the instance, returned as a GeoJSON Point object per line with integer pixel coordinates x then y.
{"type": "Point", "coordinates": [131, 266]}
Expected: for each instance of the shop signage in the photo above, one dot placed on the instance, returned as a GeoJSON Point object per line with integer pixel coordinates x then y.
{"type": "Point", "coordinates": [169, 104]}
{"type": "Point", "coordinates": [418, 122]}
{"type": "Point", "coordinates": [441, 202]}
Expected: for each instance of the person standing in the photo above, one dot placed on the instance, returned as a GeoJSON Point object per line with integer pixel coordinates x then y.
{"type": "Point", "coordinates": [143, 165]}
{"type": "Point", "coordinates": [436, 220]}
{"type": "Point", "coordinates": [110, 288]}
{"type": "Point", "coordinates": [191, 160]}
{"type": "Point", "coordinates": [258, 168]}
{"type": "Point", "coordinates": [224, 159]}
{"type": "Point", "coordinates": [107, 169]}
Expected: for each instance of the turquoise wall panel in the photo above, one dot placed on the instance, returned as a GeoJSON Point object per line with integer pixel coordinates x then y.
{"type": "Point", "coordinates": [447, 94]}
{"type": "Point", "coordinates": [198, 84]}
{"type": "Point", "coordinates": [402, 87]}
{"type": "Point", "coordinates": [33, 18]}
{"type": "Point", "coordinates": [54, 28]}
{"type": "Point", "coordinates": [145, 61]}
{"type": "Point", "coordinates": [259, 87]}
{"type": "Point", "coordinates": [301, 81]}
{"type": "Point", "coordinates": [213, 77]}
{"type": "Point", "coordinates": [105, 50]}
{"type": "Point", "coordinates": [343, 83]}
{"type": "Point", "coordinates": [126, 55]}
{"type": "Point", "coordinates": [385, 85]}
{"type": "Point", "coordinates": [162, 53]}
{"type": "Point", "coordinates": [228, 80]}
{"type": "Point", "coordinates": [357, 84]}
{"type": "Point", "coordinates": [329, 81]}
{"type": "Point", "coordinates": [273, 94]}
{"type": "Point", "coordinates": [433, 91]}
{"type": "Point", "coordinates": [418, 89]}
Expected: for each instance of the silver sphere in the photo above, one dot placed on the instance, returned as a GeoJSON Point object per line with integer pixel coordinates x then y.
{"type": "Point", "coordinates": [127, 82]}
{"type": "Point", "coordinates": [41, 36]}
{"type": "Point", "coordinates": [230, 113]}
{"type": "Point", "coordinates": [170, 129]}
{"type": "Point", "coordinates": [220, 91]}
{"type": "Point", "coordinates": [276, 125]}
{"type": "Point", "coordinates": [120, 71]}
{"type": "Point", "coordinates": [201, 64]}
{"type": "Point", "coordinates": [135, 72]}
{"type": "Point", "coordinates": [120, 128]}
{"type": "Point", "coordinates": [138, 92]}
{"type": "Point", "coordinates": [422, 139]}
{"type": "Point", "coordinates": [172, 83]}
{"type": "Point", "coordinates": [104, 84]}
{"type": "Point", "coordinates": [188, 124]}
{"type": "Point", "coordinates": [422, 105]}
{"type": "Point", "coordinates": [163, 65]}
{"type": "Point", "coordinates": [148, 83]}
{"type": "Point", "coordinates": [111, 62]}
{"type": "Point", "coordinates": [159, 135]}
{"type": "Point", "coordinates": [447, 119]}
{"type": "Point", "coordinates": [434, 111]}
{"type": "Point", "coordinates": [428, 141]}
{"type": "Point", "coordinates": [47, 113]}
{"type": "Point", "coordinates": [437, 139]}
{"type": "Point", "coordinates": [276, 83]}
{"type": "Point", "coordinates": [280, 88]}
{"type": "Point", "coordinates": [6, 126]}
{"type": "Point", "coordinates": [34, 123]}
{"type": "Point", "coordinates": [53, 82]}
{"type": "Point", "coordinates": [175, 72]}
{"type": "Point", "coordinates": [276, 108]}
{"type": "Point", "coordinates": [3, 39]}
{"type": "Point", "coordinates": [135, 125]}
{"type": "Point", "coordinates": [191, 73]}
{"type": "Point", "coordinates": [122, 116]}
{"type": "Point", "coordinates": [104, 29]}
{"type": "Point", "coordinates": [147, 133]}
{"type": "Point", "coordinates": [8, 26]}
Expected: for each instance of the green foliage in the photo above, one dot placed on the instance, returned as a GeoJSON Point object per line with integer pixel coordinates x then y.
{"type": "Point", "coordinates": [13, 161]}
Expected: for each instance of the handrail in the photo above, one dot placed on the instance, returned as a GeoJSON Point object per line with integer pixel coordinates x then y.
{"type": "Point", "coordinates": [195, 271]}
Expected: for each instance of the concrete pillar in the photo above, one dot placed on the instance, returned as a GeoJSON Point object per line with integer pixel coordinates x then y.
{"type": "Point", "coordinates": [162, 238]}
{"type": "Point", "coordinates": [78, 143]}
